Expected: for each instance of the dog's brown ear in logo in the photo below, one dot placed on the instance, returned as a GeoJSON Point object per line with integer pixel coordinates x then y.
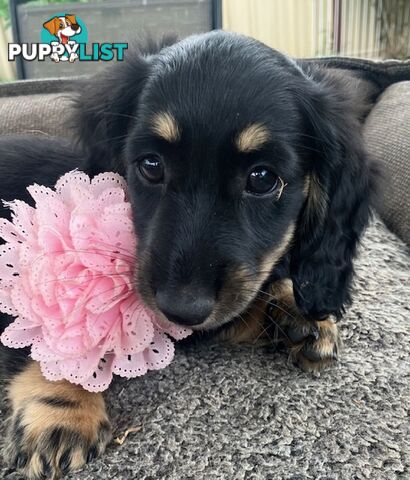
{"type": "Point", "coordinates": [52, 25]}
{"type": "Point", "coordinates": [71, 19]}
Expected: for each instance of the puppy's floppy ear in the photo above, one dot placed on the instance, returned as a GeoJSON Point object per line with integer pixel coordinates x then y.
{"type": "Point", "coordinates": [107, 105]}
{"type": "Point", "coordinates": [52, 25]}
{"type": "Point", "coordinates": [104, 109]}
{"type": "Point", "coordinates": [338, 188]}
{"type": "Point", "coordinates": [71, 18]}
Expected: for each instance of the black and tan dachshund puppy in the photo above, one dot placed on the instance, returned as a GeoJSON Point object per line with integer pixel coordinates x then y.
{"type": "Point", "coordinates": [251, 189]}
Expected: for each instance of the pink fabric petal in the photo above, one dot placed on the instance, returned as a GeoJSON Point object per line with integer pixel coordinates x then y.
{"type": "Point", "coordinates": [21, 302]}
{"type": "Point", "coordinates": [9, 232]}
{"type": "Point", "coordinates": [70, 181]}
{"type": "Point", "coordinates": [18, 338]}
{"type": "Point", "coordinates": [78, 370]}
{"type": "Point", "coordinates": [105, 181]}
{"type": "Point", "coordinates": [22, 216]}
{"type": "Point", "coordinates": [42, 353]}
{"type": "Point", "coordinates": [99, 380]}
{"type": "Point", "coordinates": [51, 370]}
{"type": "Point", "coordinates": [160, 352]}
{"type": "Point", "coordinates": [176, 331]}
{"type": "Point", "coordinates": [137, 330]}
{"type": "Point", "coordinates": [130, 366]}
{"type": "Point", "coordinates": [110, 196]}
{"type": "Point", "coordinates": [9, 265]}
{"type": "Point", "coordinates": [6, 305]}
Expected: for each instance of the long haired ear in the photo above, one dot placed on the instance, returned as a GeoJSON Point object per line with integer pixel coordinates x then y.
{"type": "Point", "coordinates": [52, 25]}
{"type": "Point", "coordinates": [72, 18]}
{"type": "Point", "coordinates": [107, 104]}
{"type": "Point", "coordinates": [339, 184]}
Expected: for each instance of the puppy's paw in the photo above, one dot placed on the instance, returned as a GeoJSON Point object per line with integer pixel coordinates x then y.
{"type": "Point", "coordinates": [313, 345]}
{"type": "Point", "coordinates": [73, 57]}
{"type": "Point", "coordinates": [55, 427]}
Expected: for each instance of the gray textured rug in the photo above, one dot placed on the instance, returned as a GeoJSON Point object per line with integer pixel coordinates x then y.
{"type": "Point", "coordinates": [238, 413]}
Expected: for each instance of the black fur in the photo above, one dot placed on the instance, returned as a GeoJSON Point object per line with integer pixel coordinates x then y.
{"type": "Point", "coordinates": [200, 227]}
{"type": "Point", "coordinates": [322, 258]}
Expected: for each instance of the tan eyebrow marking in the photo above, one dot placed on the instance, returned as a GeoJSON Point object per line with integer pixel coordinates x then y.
{"type": "Point", "coordinates": [165, 125]}
{"type": "Point", "coordinates": [252, 137]}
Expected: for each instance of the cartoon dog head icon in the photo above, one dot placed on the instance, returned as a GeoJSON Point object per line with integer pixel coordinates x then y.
{"type": "Point", "coordinates": [63, 27]}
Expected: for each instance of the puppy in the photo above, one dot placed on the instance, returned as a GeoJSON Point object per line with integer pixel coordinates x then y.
{"type": "Point", "coordinates": [64, 28]}
{"type": "Point", "coordinates": [251, 189]}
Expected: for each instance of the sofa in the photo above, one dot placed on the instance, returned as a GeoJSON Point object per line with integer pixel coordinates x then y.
{"type": "Point", "coordinates": [223, 412]}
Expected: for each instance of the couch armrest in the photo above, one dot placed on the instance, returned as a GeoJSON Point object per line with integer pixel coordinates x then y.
{"type": "Point", "coordinates": [387, 136]}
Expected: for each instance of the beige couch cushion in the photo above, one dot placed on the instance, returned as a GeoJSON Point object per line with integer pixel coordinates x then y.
{"type": "Point", "coordinates": [37, 114]}
{"type": "Point", "coordinates": [387, 134]}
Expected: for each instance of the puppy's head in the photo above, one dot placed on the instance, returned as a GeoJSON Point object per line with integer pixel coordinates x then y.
{"type": "Point", "coordinates": [63, 27]}
{"type": "Point", "coordinates": [236, 162]}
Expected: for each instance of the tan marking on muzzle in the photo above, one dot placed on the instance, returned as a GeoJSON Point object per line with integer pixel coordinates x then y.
{"type": "Point", "coordinates": [244, 286]}
{"type": "Point", "coordinates": [248, 329]}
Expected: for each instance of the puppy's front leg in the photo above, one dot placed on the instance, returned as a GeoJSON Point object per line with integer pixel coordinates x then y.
{"type": "Point", "coordinates": [274, 318]}
{"type": "Point", "coordinates": [312, 344]}
{"type": "Point", "coordinates": [55, 427]}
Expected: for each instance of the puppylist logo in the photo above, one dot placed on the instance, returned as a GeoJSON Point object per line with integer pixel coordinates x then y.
{"type": "Point", "coordinates": [64, 39]}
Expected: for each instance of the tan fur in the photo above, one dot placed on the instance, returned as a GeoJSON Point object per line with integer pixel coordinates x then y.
{"type": "Point", "coordinates": [77, 460]}
{"type": "Point", "coordinates": [242, 277]}
{"type": "Point", "coordinates": [328, 333]}
{"type": "Point", "coordinates": [53, 25]}
{"type": "Point", "coordinates": [165, 126]}
{"type": "Point", "coordinates": [273, 257]}
{"type": "Point", "coordinates": [80, 417]}
{"type": "Point", "coordinates": [252, 138]}
{"type": "Point", "coordinates": [283, 292]}
{"type": "Point", "coordinates": [251, 327]}
{"type": "Point", "coordinates": [285, 319]}
{"type": "Point", "coordinates": [30, 385]}
{"type": "Point", "coordinates": [306, 186]}
{"type": "Point", "coordinates": [247, 330]}
{"type": "Point", "coordinates": [36, 466]}
{"type": "Point", "coordinates": [71, 19]}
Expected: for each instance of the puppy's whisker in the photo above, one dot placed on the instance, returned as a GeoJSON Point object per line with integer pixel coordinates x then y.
{"type": "Point", "coordinates": [91, 276]}
{"type": "Point", "coordinates": [270, 301]}
{"type": "Point", "coordinates": [279, 307]}
{"type": "Point", "coordinates": [69, 251]}
{"type": "Point", "coordinates": [125, 115]}
{"type": "Point", "coordinates": [93, 297]}
{"type": "Point", "coordinates": [265, 328]}
{"type": "Point", "coordinates": [113, 248]}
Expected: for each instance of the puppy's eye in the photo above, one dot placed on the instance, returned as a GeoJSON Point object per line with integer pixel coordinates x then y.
{"type": "Point", "coordinates": [261, 181]}
{"type": "Point", "coordinates": [151, 168]}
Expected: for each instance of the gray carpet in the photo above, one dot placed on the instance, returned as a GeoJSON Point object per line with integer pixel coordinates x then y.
{"type": "Point", "coordinates": [238, 413]}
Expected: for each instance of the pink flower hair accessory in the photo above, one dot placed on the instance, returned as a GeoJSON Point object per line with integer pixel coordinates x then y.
{"type": "Point", "coordinates": [67, 275]}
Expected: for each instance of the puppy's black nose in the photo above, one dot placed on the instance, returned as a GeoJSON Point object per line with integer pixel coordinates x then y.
{"type": "Point", "coordinates": [185, 307]}
{"type": "Point", "coordinates": [75, 26]}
